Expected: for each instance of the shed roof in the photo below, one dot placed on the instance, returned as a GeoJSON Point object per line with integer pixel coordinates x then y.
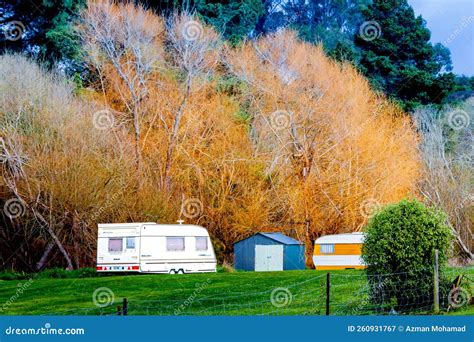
{"type": "Point", "coordinates": [278, 237]}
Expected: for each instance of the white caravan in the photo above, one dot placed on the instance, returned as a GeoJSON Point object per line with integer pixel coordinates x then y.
{"type": "Point", "coordinates": [154, 248]}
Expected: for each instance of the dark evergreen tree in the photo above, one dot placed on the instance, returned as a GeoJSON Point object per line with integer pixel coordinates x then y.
{"type": "Point", "coordinates": [42, 28]}
{"type": "Point", "coordinates": [330, 22]}
{"type": "Point", "coordinates": [399, 61]}
{"type": "Point", "coordinates": [398, 57]}
{"type": "Point", "coordinates": [235, 19]}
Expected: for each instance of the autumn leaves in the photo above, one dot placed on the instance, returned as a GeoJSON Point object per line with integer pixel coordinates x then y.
{"type": "Point", "coordinates": [268, 135]}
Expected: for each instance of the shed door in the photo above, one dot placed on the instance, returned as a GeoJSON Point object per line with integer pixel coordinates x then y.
{"type": "Point", "coordinates": [269, 258]}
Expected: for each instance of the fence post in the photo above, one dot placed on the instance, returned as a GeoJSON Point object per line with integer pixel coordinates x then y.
{"type": "Point", "coordinates": [436, 283]}
{"type": "Point", "coordinates": [125, 307]}
{"type": "Point", "coordinates": [328, 291]}
{"type": "Point", "coordinates": [119, 310]}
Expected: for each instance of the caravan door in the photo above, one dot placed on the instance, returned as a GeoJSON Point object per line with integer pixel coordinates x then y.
{"type": "Point", "coordinates": [118, 249]}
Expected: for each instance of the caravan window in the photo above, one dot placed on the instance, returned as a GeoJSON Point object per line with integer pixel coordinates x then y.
{"type": "Point", "coordinates": [327, 249]}
{"type": "Point", "coordinates": [175, 243]}
{"type": "Point", "coordinates": [130, 243]}
{"type": "Point", "coordinates": [115, 245]}
{"type": "Point", "coordinates": [201, 243]}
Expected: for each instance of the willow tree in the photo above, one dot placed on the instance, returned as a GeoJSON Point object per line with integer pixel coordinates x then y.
{"type": "Point", "coordinates": [124, 43]}
{"type": "Point", "coordinates": [334, 150]}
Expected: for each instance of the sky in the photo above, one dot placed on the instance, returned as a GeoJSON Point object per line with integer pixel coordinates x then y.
{"type": "Point", "coordinates": [451, 23]}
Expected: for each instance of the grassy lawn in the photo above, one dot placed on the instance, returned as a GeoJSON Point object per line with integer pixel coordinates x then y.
{"type": "Point", "coordinates": [238, 293]}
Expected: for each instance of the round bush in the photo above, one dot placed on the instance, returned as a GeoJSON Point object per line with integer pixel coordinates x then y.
{"type": "Point", "coordinates": [399, 253]}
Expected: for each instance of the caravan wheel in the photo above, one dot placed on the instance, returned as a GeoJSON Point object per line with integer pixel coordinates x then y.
{"type": "Point", "coordinates": [172, 271]}
{"type": "Point", "coordinates": [180, 271]}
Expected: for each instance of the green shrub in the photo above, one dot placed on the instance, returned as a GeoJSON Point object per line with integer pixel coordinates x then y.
{"type": "Point", "coordinates": [12, 275]}
{"type": "Point", "coordinates": [53, 273]}
{"type": "Point", "coordinates": [399, 252]}
{"type": "Point", "coordinates": [63, 273]}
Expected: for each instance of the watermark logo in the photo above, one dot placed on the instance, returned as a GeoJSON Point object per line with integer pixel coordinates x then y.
{"type": "Point", "coordinates": [192, 30]}
{"type": "Point", "coordinates": [47, 329]}
{"type": "Point", "coordinates": [189, 301]}
{"type": "Point", "coordinates": [192, 208]}
{"type": "Point", "coordinates": [103, 119]}
{"type": "Point", "coordinates": [102, 297]}
{"type": "Point", "coordinates": [369, 207]}
{"type": "Point", "coordinates": [470, 198]}
{"type": "Point", "coordinates": [458, 297]}
{"type": "Point", "coordinates": [466, 160]}
{"type": "Point", "coordinates": [280, 120]}
{"type": "Point", "coordinates": [370, 30]}
{"type": "Point", "coordinates": [21, 287]}
{"type": "Point", "coordinates": [281, 297]}
{"type": "Point", "coordinates": [317, 93]}
{"type": "Point", "coordinates": [14, 208]}
{"type": "Point", "coordinates": [464, 24]}
{"type": "Point", "coordinates": [458, 119]}
{"type": "Point", "coordinates": [288, 76]}
{"type": "Point", "coordinates": [14, 30]}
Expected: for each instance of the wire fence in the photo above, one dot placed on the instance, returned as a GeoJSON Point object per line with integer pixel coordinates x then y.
{"type": "Point", "coordinates": [336, 294]}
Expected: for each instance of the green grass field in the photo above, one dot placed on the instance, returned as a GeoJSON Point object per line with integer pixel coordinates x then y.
{"type": "Point", "coordinates": [237, 293]}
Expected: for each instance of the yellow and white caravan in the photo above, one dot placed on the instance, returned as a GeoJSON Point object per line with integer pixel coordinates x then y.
{"type": "Point", "coordinates": [340, 251]}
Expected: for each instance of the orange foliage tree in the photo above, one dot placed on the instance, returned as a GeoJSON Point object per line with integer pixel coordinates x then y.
{"type": "Point", "coordinates": [334, 150]}
{"type": "Point", "coordinates": [271, 135]}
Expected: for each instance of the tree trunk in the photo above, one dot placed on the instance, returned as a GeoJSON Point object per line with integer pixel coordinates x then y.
{"type": "Point", "coordinates": [46, 225]}
{"type": "Point", "coordinates": [40, 265]}
{"type": "Point", "coordinates": [174, 136]}
{"type": "Point", "coordinates": [465, 249]}
{"type": "Point", "coordinates": [138, 154]}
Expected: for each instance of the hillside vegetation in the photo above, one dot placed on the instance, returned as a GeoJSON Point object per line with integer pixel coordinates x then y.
{"type": "Point", "coordinates": [176, 123]}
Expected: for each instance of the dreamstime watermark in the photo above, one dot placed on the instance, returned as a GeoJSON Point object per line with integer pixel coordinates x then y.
{"type": "Point", "coordinates": [464, 23]}
{"type": "Point", "coordinates": [14, 208]}
{"type": "Point", "coordinates": [192, 208]}
{"type": "Point", "coordinates": [370, 30]}
{"type": "Point", "coordinates": [458, 119]}
{"type": "Point", "coordinates": [103, 119]}
{"type": "Point", "coordinates": [13, 30]}
{"type": "Point", "coordinates": [287, 75]}
{"type": "Point", "coordinates": [107, 204]}
{"type": "Point", "coordinates": [19, 291]}
{"type": "Point", "coordinates": [46, 330]}
{"type": "Point", "coordinates": [102, 297]}
{"type": "Point", "coordinates": [281, 297]}
{"type": "Point", "coordinates": [317, 93]}
{"type": "Point", "coordinates": [467, 160]}
{"type": "Point", "coordinates": [459, 297]}
{"type": "Point", "coordinates": [3, 152]}
{"type": "Point", "coordinates": [369, 207]}
{"type": "Point", "coordinates": [189, 301]}
{"type": "Point", "coordinates": [192, 30]}
{"type": "Point", "coordinates": [280, 120]}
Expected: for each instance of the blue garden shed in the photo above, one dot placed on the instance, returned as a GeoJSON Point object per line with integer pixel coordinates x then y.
{"type": "Point", "coordinates": [269, 252]}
